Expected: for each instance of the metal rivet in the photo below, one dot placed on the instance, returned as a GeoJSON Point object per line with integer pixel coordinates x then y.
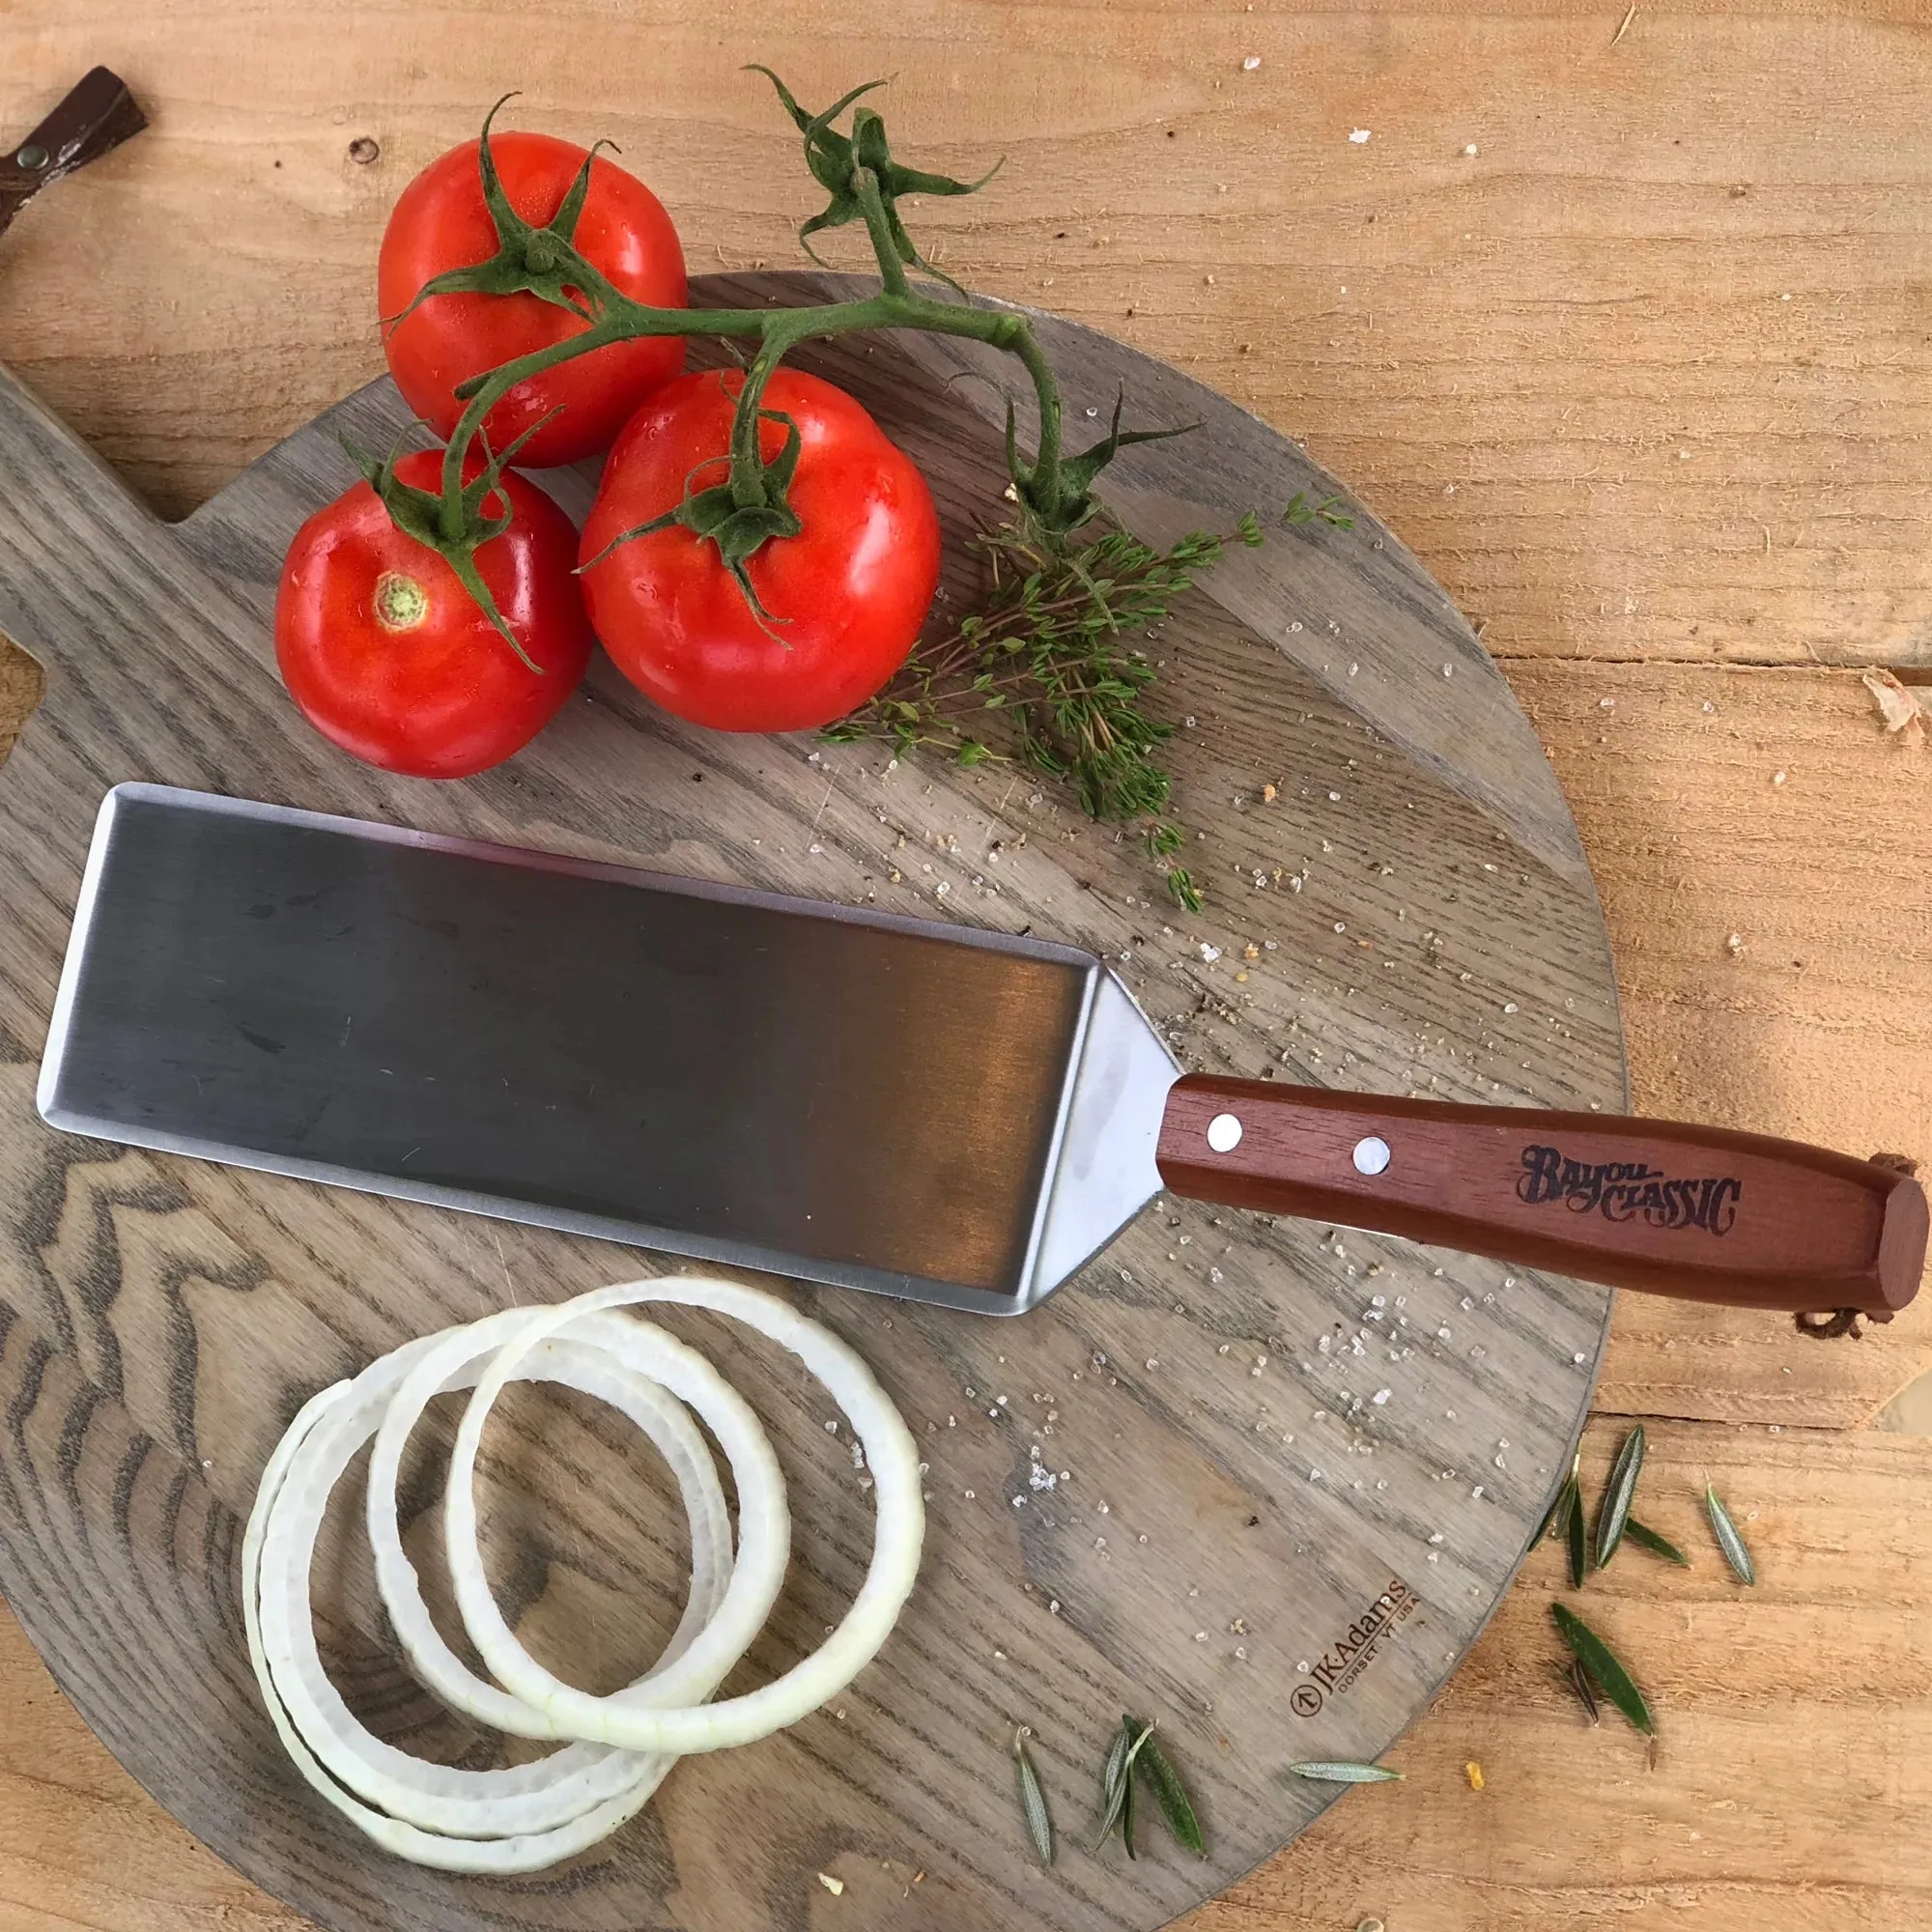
{"type": "Point", "coordinates": [1371, 1155]}
{"type": "Point", "coordinates": [1224, 1133]}
{"type": "Point", "coordinates": [33, 158]}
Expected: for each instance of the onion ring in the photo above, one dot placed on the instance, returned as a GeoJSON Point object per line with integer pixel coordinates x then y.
{"type": "Point", "coordinates": [470, 1803]}
{"type": "Point", "coordinates": [526, 1817]}
{"type": "Point", "coordinates": [764, 1521]}
{"type": "Point", "coordinates": [899, 1536]}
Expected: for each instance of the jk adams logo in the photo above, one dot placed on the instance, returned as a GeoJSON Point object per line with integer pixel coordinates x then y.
{"type": "Point", "coordinates": [1342, 1664]}
{"type": "Point", "coordinates": [1629, 1191]}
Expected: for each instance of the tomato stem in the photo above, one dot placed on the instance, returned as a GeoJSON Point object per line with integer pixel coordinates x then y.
{"type": "Point", "coordinates": [879, 226]}
{"type": "Point", "coordinates": [864, 184]}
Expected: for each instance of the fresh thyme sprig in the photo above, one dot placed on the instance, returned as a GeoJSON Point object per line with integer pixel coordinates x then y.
{"type": "Point", "coordinates": [1329, 511]}
{"type": "Point", "coordinates": [1044, 672]}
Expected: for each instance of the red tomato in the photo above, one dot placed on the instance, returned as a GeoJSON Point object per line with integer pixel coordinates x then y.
{"type": "Point", "coordinates": [846, 596]}
{"type": "Point", "coordinates": [387, 655]}
{"type": "Point", "coordinates": [441, 222]}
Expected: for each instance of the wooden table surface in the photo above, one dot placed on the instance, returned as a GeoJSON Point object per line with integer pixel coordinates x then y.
{"type": "Point", "coordinates": [1619, 320]}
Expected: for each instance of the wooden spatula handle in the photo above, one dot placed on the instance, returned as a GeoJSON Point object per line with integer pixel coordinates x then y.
{"type": "Point", "coordinates": [1692, 1211]}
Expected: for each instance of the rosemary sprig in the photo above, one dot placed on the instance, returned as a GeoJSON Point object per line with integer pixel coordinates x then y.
{"type": "Point", "coordinates": [1032, 1799]}
{"type": "Point", "coordinates": [1328, 1772]}
{"type": "Point", "coordinates": [1728, 1539]}
{"type": "Point", "coordinates": [1044, 672]}
{"type": "Point", "coordinates": [1646, 1538]}
{"type": "Point", "coordinates": [1604, 1665]}
{"type": "Point", "coordinates": [1615, 1513]}
{"type": "Point", "coordinates": [1119, 1780]}
{"type": "Point", "coordinates": [1164, 1782]}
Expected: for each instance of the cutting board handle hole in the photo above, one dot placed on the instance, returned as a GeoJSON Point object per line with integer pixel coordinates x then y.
{"type": "Point", "coordinates": [23, 684]}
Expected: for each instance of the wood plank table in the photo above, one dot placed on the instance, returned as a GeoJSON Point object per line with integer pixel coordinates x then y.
{"type": "Point", "coordinates": [1617, 316]}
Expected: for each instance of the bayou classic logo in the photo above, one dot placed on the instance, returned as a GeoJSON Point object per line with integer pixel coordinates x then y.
{"type": "Point", "coordinates": [1629, 1191]}
{"type": "Point", "coordinates": [1340, 1666]}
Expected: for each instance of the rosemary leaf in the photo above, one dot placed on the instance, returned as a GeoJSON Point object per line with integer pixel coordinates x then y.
{"type": "Point", "coordinates": [1032, 1799]}
{"type": "Point", "coordinates": [1604, 1666]}
{"type": "Point", "coordinates": [1576, 1537]}
{"type": "Point", "coordinates": [1648, 1539]}
{"type": "Point", "coordinates": [1614, 1512]}
{"type": "Point", "coordinates": [1172, 1796]}
{"type": "Point", "coordinates": [1110, 1779]}
{"type": "Point", "coordinates": [1120, 1780]}
{"type": "Point", "coordinates": [1324, 1772]}
{"type": "Point", "coordinates": [1579, 1680]}
{"type": "Point", "coordinates": [1728, 1539]}
{"type": "Point", "coordinates": [1556, 1518]}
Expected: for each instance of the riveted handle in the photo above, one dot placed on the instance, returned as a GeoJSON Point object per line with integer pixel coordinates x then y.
{"type": "Point", "coordinates": [1673, 1208]}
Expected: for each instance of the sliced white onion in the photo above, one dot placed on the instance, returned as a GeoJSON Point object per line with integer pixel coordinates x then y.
{"type": "Point", "coordinates": [526, 1817]}
{"type": "Point", "coordinates": [764, 1521]}
{"type": "Point", "coordinates": [899, 1535]}
{"type": "Point", "coordinates": [525, 1797]}
{"type": "Point", "coordinates": [522, 1853]}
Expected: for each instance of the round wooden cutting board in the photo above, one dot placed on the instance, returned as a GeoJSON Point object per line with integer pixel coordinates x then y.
{"type": "Point", "coordinates": [1260, 1482]}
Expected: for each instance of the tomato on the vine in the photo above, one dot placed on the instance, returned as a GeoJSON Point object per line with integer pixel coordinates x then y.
{"type": "Point", "coordinates": [843, 600]}
{"type": "Point", "coordinates": [388, 655]}
{"type": "Point", "coordinates": [443, 222]}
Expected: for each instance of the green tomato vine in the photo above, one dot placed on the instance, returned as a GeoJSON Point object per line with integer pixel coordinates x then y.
{"type": "Point", "coordinates": [1044, 659]}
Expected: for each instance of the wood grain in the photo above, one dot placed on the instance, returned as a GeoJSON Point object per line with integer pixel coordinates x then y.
{"type": "Point", "coordinates": [1814, 1024]}
{"type": "Point", "coordinates": [1790, 1775]}
{"type": "Point", "coordinates": [1643, 377]}
{"type": "Point", "coordinates": [169, 1316]}
{"type": "Point", "coordinates": [1510, 400]}
{"type": "Point", "coordinates": [1793, 1725]}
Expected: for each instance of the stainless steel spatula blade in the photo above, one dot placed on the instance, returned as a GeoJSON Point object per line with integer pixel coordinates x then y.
{"type": "Point", "coordinates": [958, 1116]}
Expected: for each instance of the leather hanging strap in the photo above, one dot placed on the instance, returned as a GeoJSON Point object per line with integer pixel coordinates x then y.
{"type": "Point", "coordinates": [98, 115]}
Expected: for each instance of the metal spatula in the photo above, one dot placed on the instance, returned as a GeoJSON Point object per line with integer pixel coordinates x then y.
{"type": "Point", "coordinates": [954, 1115]}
